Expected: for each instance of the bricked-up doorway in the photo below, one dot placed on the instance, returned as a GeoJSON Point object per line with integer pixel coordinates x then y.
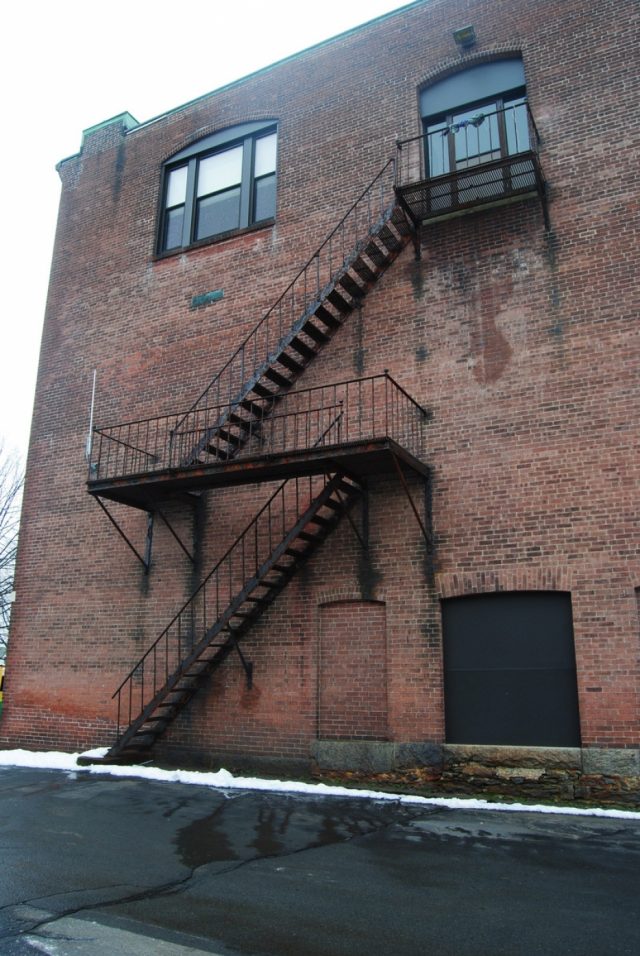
{"type": "Point", "coordinates": [510, 673]}
{"type": "Point", "coordinates": [352, 671]}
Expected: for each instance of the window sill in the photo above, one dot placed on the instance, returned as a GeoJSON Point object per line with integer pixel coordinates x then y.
{"type": "Point", "coordinates": [214, 240]}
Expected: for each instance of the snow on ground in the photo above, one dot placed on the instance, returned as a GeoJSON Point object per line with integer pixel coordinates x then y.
{"type": "Point", "coordinates": [222, 779]}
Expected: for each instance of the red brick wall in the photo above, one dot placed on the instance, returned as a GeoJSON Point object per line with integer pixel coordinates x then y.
{"type": "Point", "coordinates": [352, 671]}
{"type": "Point", "coordinates": [523, 344]}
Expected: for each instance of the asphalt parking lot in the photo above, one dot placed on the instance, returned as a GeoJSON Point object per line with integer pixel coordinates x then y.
{"type": "Point", "coordinates": [99, 865]}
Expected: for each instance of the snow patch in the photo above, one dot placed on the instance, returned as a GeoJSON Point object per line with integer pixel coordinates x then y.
{"type": "Point", "coordinates": [222, 779]}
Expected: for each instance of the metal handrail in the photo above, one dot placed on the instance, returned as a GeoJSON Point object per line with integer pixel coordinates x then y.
{"type": "Point", "coordinates": [145, 447]}
{"type": "Point", "coordinates": [412, 153]}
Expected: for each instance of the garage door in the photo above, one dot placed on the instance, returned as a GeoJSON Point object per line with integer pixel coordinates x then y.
{"type": "Point", "coordinates": [510, 673]}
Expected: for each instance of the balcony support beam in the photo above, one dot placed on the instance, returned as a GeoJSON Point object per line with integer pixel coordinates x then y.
{"type": "Point", "coordinates": [165, 521]}
{"type": "Point", "coordinates": [428, 537]}
{"type": "Point", "coordinates": [146, 561]}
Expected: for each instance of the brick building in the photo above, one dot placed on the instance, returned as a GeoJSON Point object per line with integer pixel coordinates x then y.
{"type": "Point", "coordinates": [362, 485]}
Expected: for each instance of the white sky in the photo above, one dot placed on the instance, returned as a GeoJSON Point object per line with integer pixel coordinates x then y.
{"type": "Point", "coordinates": [70, 64]}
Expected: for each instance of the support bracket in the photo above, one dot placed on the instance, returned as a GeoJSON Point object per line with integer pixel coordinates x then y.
{"type": "Point", "coordinates": [146, 561]}
{"type": "Point", "coordinates": [164, 518]}
{"type": "Point", "coordinates": [428, 536]}
{"type": "Point", "coordinates": [247, 665]}
{"type": "Point", "coordinates": [416, 238]}
{"type": "Point", "coordinates": [363, 537]}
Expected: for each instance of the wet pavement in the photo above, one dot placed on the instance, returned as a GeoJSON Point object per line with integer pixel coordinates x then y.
{"type": "Point", "coordinates": [101, 866]}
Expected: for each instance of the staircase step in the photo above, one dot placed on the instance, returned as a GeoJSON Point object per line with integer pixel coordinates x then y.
{"type": "Point", "coordinates": [254, 408]}
{"type": "Point", "coordinates": [348, 485]}
{"type": "Point", "coordinates": [400, 223]}
{"type": "Point", "coordinates": [323, 522]}
{"type": "Point", "coordinates": [277, 378]}
{"type": "Point", "coordinates": [302, 348]}
{"type": "Point", "coordinates": [228, 436]}
{"type": "Point", "coordinates": [263, 391]}
{"type": "Point", "coordinates": [340, 299]}
{"type": "Point", "coordinates": [326, 316]}
{"type": "Point", "coordinates": [213, 449]}
{"type": "Point", "coordinates": [366, 273]}
{"type": "Point", "coordinates": [335, 504]}
{"type": "Point", "coordinates": [290, 363]}
{"type": "Point", "coordinates": [349, 283]}
{"type": "Point", "coordinates": [245, 423]}
{"type": "Point", "coordinates": [388, 237]}
{"type": "Point", "coordinates": [312, 330]}
{"type": "Point", "coordinates": [377, 255]}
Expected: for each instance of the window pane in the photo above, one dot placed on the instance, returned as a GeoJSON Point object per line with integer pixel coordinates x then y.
{"type": "Point", "coordinates": [220, 171]}
{"type": "Point", "coordinates": [173, 220]}
{"type": "Point", "coordinates": [476, 136]}
{"type": "Point", "coordinates": [218, 213]}
{"type": "Point", "coordinates": [265, 157]}
{"type": "Point", "coordinates": [177, 186]}
{"type": "Point", "coordinates": [264, 198]}
{"type": "Point", "coordinates": [517, 126]}
{"type": "Point", "coordinates": [437, 145]}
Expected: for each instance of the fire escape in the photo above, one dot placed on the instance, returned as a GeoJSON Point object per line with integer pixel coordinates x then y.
{"type": "Point", "coordinates": [253, 424]}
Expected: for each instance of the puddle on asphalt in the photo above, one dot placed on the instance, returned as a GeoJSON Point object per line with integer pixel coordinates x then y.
{"type": "Point", "coordinates": [241, 830]}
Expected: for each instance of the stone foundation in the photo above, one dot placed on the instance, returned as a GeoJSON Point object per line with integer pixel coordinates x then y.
{"type": "Point", "coordinates": [549, 773]}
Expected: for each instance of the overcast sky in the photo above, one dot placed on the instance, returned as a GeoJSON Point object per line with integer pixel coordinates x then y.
{"type": "Point", "coordinates": [69, 64]}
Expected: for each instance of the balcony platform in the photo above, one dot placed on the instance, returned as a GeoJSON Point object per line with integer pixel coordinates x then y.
{"type": "Point", "coordinates": [506, 180]}
{"type": "Point", "coordinates": [361, 459]}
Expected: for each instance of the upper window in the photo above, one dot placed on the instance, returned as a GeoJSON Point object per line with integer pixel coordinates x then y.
{"type": "Point", "coordinates": [475, 116]}
{"type": "Point", "coordinates": [220, 184]}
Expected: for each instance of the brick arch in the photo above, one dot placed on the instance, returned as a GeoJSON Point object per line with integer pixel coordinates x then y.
{"type": "Point", "coordinates": [457, 65]}
{"type": "Point", "coordinates": [518, 578]}
{"type": "Point", "coordinates": [209, 129]}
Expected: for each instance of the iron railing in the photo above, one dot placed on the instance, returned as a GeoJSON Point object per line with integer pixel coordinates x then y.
{"type": "Point", "coordinates": [344, 412]}
{"type": "Point", "coordinates": [224, 590]}
{"type": "Point", "coordinates": [486, 156]}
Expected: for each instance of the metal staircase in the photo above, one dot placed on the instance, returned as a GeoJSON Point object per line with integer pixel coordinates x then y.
{"type": "Point", "coordinates": [289, 336]}
{"type": "Point", "coordinates": [242, 585]}
{"type": "Point", "coordinates": [236, 412]}
{"type": "Point", "coordinates": [276, 352]}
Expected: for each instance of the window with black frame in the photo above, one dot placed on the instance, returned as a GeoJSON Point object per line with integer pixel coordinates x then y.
{"type": "Point", "coordinates": [472, 119]}
{"type": "Point", "coordinates": [219, 185]}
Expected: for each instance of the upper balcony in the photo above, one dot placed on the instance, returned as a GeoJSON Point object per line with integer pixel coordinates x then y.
{"type": "Point", "coordinates": [485, 157]}
{"type": "Point", "coordinates": [362, 426]}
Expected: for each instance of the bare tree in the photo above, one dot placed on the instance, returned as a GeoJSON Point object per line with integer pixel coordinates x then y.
{"type": "Point", "coordinates": [11, 479]}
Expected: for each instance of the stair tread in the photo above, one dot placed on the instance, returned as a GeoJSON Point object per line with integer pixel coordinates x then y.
{"type": "Point", "coordinates": [289, 362]}
{"type": "Point", "coordinates": [262, 390]}
{"type": "Point", "coordinates": [315, 333]}
{"type": "Point", "coordinates": [340, 299]}
{"type": "Point", "coordinates": [364, 270]}
{"type": "Point", "coordinates": [302, 348]}
{"type": "Point", "coordinates": [349, 283]}
{"type": "Point", "coordinates": [245, 423]}
{"type": "Point", "coordinates": [276, 377]}
{"type": "Point", "coordinates": [325, 315]}
{"type": "Point", "coordinates": [256, 409]}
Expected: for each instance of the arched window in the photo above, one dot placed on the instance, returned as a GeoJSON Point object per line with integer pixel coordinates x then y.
{"type": "Point", "coordinates": [218, 185]}
{"type": "Point", "coordinates": [475, 116]}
